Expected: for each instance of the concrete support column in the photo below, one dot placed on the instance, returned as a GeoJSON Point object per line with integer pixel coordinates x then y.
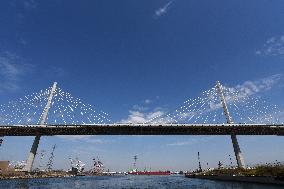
{"type": "Point", "coordinates": [32, 154]}
{"type": "Point", "coordinates": [237, 150]}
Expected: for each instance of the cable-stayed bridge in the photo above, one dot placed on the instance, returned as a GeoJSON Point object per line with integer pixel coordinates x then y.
{"type": "Point", "coordinates": [55, 112]}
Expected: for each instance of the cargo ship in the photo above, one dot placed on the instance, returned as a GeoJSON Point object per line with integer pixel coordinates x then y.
{"type": "Point", "coordinates": [145, 172]}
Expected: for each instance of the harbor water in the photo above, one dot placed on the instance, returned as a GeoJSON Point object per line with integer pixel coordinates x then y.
{"type": "Point", "coordinates": [127, 182]}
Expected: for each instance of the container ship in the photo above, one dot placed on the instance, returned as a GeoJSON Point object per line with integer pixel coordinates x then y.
{"type": "Point", "coordinates": [145, 172]}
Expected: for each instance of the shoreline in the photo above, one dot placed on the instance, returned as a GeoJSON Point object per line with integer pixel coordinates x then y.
{"type": "Point", "coordinates": [32, 177]}
{"type": "Point", "coordinates": [248, 179]}
{"type": "Point", "coordinates": [23, 177]}
{"type": "Point", "coordinates": [69, 176]}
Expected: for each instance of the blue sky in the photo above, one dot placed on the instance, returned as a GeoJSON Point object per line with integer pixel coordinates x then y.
{"type": "Point", "coordinates": [132, 59]}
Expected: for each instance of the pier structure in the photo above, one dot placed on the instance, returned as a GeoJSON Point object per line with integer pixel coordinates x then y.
{"type": "Point", "coordinates": [42, 123]}
{"type": "Point", "coordinates": [237, 149]}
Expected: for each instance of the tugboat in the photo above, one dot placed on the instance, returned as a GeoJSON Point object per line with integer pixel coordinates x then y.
{"type": "Point", "coordinates": [145, 172]}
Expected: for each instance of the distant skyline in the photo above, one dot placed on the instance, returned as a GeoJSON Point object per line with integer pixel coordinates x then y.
{"type": "Point", "coordinates": [135, 60]}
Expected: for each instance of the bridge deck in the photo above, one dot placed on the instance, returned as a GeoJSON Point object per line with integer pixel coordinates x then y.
{"type": "Point", "coordinates": [142, 129]}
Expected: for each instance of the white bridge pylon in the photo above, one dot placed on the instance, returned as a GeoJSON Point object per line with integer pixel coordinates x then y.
{"type": "Point", "coordinates": [236, 146]}
{"type": "Point", "coordinates": [42, 122]}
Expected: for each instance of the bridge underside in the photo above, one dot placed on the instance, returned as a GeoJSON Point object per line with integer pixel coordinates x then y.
{"type": "Point", "coordinates": [118, 129]}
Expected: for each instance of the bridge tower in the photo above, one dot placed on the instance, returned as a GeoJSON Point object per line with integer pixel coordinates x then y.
{"type": "Point", "coordinates": [42, 123]}
{"type": "Point", "coordinates": [237, 150]}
